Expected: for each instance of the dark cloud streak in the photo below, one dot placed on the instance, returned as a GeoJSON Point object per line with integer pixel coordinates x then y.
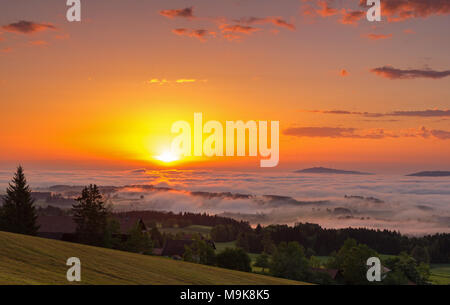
{"type": "Point", "coordinates": [27, 27]}
{"type": "Point", "coordinates": [394, 73]}
{"type": "Point", "coordinates": [407, 113]}
{"type": "Point", "coordinates": [187, 12]}
{"type": "Point", "coordinates": [339, 132]}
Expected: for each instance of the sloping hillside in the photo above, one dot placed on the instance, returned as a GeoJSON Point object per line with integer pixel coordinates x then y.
{"type": "Point", "coordinates": [33, 260]}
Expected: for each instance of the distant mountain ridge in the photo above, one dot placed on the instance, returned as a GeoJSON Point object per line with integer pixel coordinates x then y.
{"type": "Point", "coordinates": [431, 174]}
{"type": "Point", "coordinates": [324, 170]}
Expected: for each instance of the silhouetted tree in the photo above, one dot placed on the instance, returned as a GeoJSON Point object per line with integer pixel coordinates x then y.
{"type": "Point", "coordinates": [406, 268]}
{"type": "Point", "coordinates": [200, 252]}
{"type": "Point", "coordinates": [19, 213]}
{"type": "Point", "coordinates": [157, 238]}
{"type": "Point", "coordinates": [289, 261]}
{"type": "Point", "coordinates": [315, 262]}
{"type": "Point", "coordinates": [110, 237]}
{"type": "Point", "coordinates": [236, 259]}
{"type": "Point", "coordinates": [262, 261]}
{"type": "Point", "coordinates": [138, 241]}
{"type": "Point", "coordinates": [420, 254]}
{"type": "Point", "coordinates": [351, 259]}
{"type": "Point", "coordinates": [242, 241]}
{"type": "Point", "coordinates": [90, 215]}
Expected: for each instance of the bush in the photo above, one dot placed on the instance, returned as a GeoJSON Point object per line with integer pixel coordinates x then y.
{"type": "Point", "coordinates": [236, 259]}
{"type": "Point", "coordinates": [200, 252]}
{"type": "Point", "coordinates": [289, 261]}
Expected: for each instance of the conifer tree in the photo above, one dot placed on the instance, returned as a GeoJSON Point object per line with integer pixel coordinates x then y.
{"type": "Point", "coordinates": [18, 212]}
{"type": "Point", "coordinates": [90, 215]}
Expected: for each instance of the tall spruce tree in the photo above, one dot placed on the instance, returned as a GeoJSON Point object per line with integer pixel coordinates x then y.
{"type": "Point", "coordinates": [19, 213]}
{"type": "Point", "coordinates": [90, 215]}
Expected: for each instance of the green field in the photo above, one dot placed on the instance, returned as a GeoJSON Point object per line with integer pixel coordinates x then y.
{"type": "Point", "coordinates": [32, 260]}
{"type": "Point", "coordinates": [222, 246]}
{"type": "Point", "coordinates": [440, 274]}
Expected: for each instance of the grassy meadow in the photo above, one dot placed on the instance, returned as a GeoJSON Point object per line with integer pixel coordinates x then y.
{"type": "Point", "coordinates": [440, 274]}
{"type": "Point", "coordinates": [32, 260]}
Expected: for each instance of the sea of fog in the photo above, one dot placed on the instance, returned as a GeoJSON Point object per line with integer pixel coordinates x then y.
{"type": "Point", "coordinates": [411, 205]}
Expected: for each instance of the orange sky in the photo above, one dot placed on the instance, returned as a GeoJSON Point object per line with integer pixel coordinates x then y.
{"type": "Point", "coordinates": [92, 94]}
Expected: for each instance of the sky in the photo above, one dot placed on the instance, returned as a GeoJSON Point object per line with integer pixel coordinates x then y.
{"type": "Point", "coordinates": [103, 93]}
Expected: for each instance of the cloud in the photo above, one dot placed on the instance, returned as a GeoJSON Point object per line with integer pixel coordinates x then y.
{"type": "Point", "coordinates": [321, 132]}
{"type": "Point", "coordinates": [351, 17]}
{"type": "Point", "coordinates": [283, 23]}
{"type": "Point", "coordinates": [422, 113]}
{"type": "Point", "coordinates": [163, 81]}
{"type": "Point", "coordinates": [392, 10]}
{"type": "Point", "coordinates": [200, 34]}
{"type": "Point", "coordinates": [28, 27]}
{"type": "Point", "coordinates": [373, 36]}
{"type": "Point", "coordinates": [400, 113]}
{"type": "Point", "coordinates": [314, 8]}
{"type": "Point", "coordinates": [399, 10]}
{"type": "Point", "coordinates": [343, 73]}
{"type": "Point", "coordinates": [6, 50]}
{"type": "Point", "coordinates": [377, 133]}
{"type": "Point", "coordinates": [185, 80]}
{"type": "Point", "coordinates": [277, 21]}
{"type": "Point", "coordinates": [441, 134]}
{"type": "Point", "coordinates": [233, 32]}
{"type": "Point", "coordinates": [158, 81]}
{"type": "Point", "coordinates": [366, 114]}
{"type": "Point", "coordinates": [231, 36]}
{"type": "Point", "coordinates": [394, 73]}
{"type": "Point", "coordinates": [407, 204]}
{"type": "Point", "coordinates": [187, 12]}
{"type": "Point", "coordinates": [228, 28]}
{"type": "Point", "coordinates": [238, 29]}
{"type": "Point", "coordinates": [325, 9]}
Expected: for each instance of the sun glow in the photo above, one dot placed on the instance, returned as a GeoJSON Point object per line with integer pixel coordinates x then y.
{"type": "Point", "coordinates": [167, 156]}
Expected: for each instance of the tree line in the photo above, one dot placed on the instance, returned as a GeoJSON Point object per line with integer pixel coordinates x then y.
{"type": "Point", "coordinates": [320, 241]}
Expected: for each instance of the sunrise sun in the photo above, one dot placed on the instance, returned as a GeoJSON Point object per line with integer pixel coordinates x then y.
{"type": "Point", "coordinates": [167, 157]}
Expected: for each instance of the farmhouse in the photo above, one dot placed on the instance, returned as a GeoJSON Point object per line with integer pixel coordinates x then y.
{"type": "Point", "coordinates": [334, 274]}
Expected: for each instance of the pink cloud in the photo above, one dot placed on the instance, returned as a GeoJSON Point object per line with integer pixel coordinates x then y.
{"type": "Point", "coordinates": [325, 9]}
{"type": "Point", "coordinates": [343, 73]}
{"type": "Point", "coordinates": [239, 29]}
{"type": "Point", "coordinates": [373, 36]}
{"type": "Point", "coordinates": [200, 34]}
{"type": "Point", "coordinates": [351, 17]}
{"type": "Point", "coordinates": [399, 10]}
{"type": "Point", "coordinates": [28, 27]}
{"type": "Point", "coordinates": [183, 13]}
{"type": "Point", "coordinates": [277, 21]}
